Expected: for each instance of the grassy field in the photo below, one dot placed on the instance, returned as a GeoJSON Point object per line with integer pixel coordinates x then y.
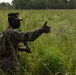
{"type": "Point", "coordinates": [54, 52]}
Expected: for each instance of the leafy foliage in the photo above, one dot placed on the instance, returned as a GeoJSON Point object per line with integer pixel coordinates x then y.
{"type": "Point", "coordinates": [44, 4]}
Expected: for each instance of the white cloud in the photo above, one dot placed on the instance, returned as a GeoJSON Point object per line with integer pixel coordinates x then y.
{"type": "Point", "coordinates": [6, 1]}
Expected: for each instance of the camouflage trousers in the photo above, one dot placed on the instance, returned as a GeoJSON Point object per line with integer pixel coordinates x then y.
{"type": "Point", "coordinates": [10, 67]}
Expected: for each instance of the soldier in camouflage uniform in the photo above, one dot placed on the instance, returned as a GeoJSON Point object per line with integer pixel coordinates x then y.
{"type": "Point", "coordinates": [12, 36]}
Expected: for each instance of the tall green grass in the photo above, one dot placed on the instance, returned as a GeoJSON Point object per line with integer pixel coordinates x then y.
{"type": "Point", "coordinates": [54, 52]}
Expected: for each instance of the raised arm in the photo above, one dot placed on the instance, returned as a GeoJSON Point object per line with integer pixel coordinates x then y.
{"type": "Point", "coordinates": [33, 35]}
{"type": "Point", "coordinates": [30, 36]}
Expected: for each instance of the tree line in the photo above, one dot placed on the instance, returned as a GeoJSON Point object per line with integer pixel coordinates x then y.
{"type": "Point", "coordinates": [39, 4]}
{"type": "Point", "coordinates": [4, 5]}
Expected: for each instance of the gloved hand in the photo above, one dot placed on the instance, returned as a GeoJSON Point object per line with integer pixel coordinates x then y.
{"type": "Point", "coordinates": [46, 28]}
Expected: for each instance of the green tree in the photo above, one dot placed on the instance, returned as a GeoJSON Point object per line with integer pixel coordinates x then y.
{"type": "Point", "coordinates": [4, 5]}
{"type": "Point", "coordinates": [43, 4]}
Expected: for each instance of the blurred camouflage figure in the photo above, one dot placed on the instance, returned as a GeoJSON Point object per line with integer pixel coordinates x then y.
{"type": "Point", "coordinates": [9, 44]}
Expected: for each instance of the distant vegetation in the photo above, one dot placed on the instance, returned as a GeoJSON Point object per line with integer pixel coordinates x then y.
{"type": "Point", "coordinates": [5, 6]}
{"type": "Point", "coordinates": [52, 53]}
{"type": "Point", "coordinates": [39, 4]}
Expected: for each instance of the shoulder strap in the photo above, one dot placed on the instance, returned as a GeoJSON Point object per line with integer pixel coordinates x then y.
{"type": "Point", "coordinates": [2, 36]}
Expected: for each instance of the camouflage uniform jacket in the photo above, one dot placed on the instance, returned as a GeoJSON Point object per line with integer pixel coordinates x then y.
{"type": "Point", "coordinates": [12, 38]}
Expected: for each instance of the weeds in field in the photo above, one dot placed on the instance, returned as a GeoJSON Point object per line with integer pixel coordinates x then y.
{"type": "Point", "coordinates": [53, 53]}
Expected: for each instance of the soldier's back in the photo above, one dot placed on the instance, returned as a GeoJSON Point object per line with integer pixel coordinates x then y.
{"type": "Point", "coordinates": [8, 60]}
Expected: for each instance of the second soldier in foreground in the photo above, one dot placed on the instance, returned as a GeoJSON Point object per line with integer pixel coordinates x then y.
{"type": "Point", "coordinates": [12, 36]}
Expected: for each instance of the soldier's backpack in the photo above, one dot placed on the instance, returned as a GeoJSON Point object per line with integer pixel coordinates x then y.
{"type": "Point", "coordinates": [1, 37]}
{"type": "Point", "coordinates": [2, 43]}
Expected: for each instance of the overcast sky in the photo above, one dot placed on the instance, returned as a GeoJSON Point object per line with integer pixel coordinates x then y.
{"type": "Point", "coordinates": [11, 1]}
{"type": "Point", "coordinates": [6, 1]}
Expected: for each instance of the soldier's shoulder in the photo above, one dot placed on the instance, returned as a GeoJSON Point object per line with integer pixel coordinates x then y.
{"type": "Point", "coordinates": [11, 30]}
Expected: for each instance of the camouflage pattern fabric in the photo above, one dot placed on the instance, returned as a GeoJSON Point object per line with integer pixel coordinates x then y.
{"type": "Point", "coordinates": [9, 53]}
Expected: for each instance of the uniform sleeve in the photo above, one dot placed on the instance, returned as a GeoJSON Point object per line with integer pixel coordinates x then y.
{"type": "Point", "coordinates": [33, 35]}
{"type": "Point", "coordinates": [26, 36]}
